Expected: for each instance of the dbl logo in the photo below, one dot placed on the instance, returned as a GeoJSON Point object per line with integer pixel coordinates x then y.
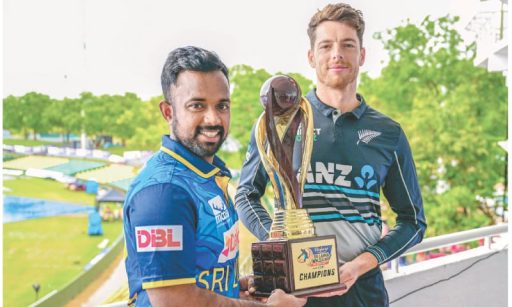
{"type": "Point", "coordinates": [159, 238]}
{"type": "Point", "coordinates": [230, 249]}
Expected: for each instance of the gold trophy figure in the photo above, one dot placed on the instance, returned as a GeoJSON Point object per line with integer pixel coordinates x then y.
{"type": "Point", "coordinates": [293, 259]}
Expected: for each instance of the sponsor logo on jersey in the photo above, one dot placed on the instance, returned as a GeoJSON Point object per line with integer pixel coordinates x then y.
{"type": "Point", "coordinates": [159, 238]}
{"type": "Point", "coordinates": [219, 208]}
{"type": "Point", "coordinates": [332, 173]}
{"type": "Point", "coordinates": [366, 135]}
{"type": "Point", "coordinates": [366, 180]}
{"type": "Point", "coordinates": [316, 134]}
{"type": "Point", "coordinates": [230, 250]}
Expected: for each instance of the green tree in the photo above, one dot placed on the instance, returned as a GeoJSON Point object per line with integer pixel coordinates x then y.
{"type": "Point", "coordinates": [72, 118]}
{"type": "Point", "coordinates": [128, 109]}
{"type": "Point", "coordinates": [98, 112]}
{"type": "Point", "coordinates": [245, 102]}
{"type": "Point", "coordinates": [453, 112]}
{"type": "Point", "coordinates": [152, 126]}
{"type": "Point", "coordinates": [32, 106]}
{"type": "Point", "coordinates": [64, 116]}
{"type": "Point", "coordinates": [12, 116]}
{"type": "Point", "coordinates": [53, 115]}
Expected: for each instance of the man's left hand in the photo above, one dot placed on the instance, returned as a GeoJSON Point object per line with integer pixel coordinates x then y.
{"type": "Point", "coordinates": [350, 272]}
{"type": "Point", "coordinates": [349, 275]}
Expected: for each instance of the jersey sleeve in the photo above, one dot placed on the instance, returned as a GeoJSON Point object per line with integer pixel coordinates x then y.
{"type": "Point", "coordinates": [162, 219]}
{"type": "Point", "coordinates": [402, 190]}
{"type": "Point", "coordinates": [253, 181]}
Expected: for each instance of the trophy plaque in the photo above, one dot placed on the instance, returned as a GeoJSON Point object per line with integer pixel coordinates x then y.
{"type": "Point", "coordinates": [293, 258]}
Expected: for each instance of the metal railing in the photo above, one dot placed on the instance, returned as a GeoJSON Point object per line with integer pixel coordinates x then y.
{"type": "Point", "coordinates": [454, 238]}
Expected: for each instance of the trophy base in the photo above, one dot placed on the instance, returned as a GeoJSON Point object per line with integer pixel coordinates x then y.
{"type": "Point", "coordinates": [307, 292]}
{"type": "Point", "coordinates": [302, 267]}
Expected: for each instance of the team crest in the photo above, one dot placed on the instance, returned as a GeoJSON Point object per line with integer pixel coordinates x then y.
{"type": "Point", "coordinates": [219, 209]}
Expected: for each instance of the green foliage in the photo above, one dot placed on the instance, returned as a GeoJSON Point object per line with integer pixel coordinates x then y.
{"type": "Point", "coordinates": [12, 118]}
{"type": "Point", "coordinates": [100, 113]}
{"type": "Point", "coordinates": [456, 206]}
{"type": "Point", "coordinates": [453, 113]}
{"type": "Point", "coordinates": [24, 114]}
{"type": "Point", "coordinates": [64, 116]}
{"type": "Point", "coordinates": [128, 119]}
{"type": "Point", "coordinates": [245, 102]}
{"type": "Point", "coordinates": [148, 135]}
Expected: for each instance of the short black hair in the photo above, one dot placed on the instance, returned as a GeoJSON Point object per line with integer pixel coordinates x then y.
{"type": "Point", "coordinates": [188, 58]}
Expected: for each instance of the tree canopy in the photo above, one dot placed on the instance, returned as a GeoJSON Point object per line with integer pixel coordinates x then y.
{"type": "Point", "coordinates": [453, 113]}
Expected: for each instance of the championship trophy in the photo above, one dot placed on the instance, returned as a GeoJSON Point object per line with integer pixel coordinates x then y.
{"type": "Point", "coordinates": [293, 258]}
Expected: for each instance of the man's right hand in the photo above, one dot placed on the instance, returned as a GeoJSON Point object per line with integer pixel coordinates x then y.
{"type": "Point", "coordinates": [280, 298]}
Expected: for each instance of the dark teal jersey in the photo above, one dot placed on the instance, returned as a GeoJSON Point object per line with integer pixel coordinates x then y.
{"type": "Point", "coordinates": [356, 155]}
{"type": "Point", "coordinates": [180, 225]}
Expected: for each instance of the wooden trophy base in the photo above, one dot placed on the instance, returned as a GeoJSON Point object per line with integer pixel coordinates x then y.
{"type": "Point", "coordinates": [302, 267]}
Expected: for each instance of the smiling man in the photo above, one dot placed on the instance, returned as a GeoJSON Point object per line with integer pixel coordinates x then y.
{"type": "Point", "coordinates": [180, 225]}
{"type": "Point", "coordinates": [357, 152]}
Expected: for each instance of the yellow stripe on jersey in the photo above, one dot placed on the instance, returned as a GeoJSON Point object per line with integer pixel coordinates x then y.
{"type": "Point", "coordinates": [188, 164]}
{"type": "Point", "coordinates": [165, 283]}
{"type": "Point", "coordinates": [222, 183]}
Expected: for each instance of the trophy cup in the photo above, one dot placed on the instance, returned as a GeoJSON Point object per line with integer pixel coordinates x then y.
{"type": "Point", "coordinates": [293, 258]}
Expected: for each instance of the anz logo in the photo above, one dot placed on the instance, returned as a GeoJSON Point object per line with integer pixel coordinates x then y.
{"type": "Point", "coordinates": [332, 174]}
{"type": "Point", "coordinates": [336, 174]}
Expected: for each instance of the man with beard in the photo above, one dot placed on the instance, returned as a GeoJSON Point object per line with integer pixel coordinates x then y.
{"type": "Point", "coordinates": [356, 152]}
{"type": "Point", "coordinates": [180, 225]}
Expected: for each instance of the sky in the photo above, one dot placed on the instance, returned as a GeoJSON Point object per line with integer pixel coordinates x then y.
{"type": "Point", "coordinates": [65, 47]}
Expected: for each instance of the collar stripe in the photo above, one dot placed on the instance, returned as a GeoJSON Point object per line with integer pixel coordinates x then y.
{"type": "Point", "coordinates": [189, 165]}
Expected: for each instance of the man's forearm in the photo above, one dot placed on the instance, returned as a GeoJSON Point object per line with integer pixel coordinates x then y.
{"type": "Point", "coordinates": [252, 214]}
{"type": "Point", "coordinates": [397, 241]}
{"type": "Point", "coordinates": [364, 263]}
{"type": "Point", "coordinates": [191, 295]}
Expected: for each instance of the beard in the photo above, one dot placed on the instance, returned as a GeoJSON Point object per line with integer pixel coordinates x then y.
{"type": "Point", "coordinates": [340, 81]}
{"type": "Point", "coordinates": [201, 149]}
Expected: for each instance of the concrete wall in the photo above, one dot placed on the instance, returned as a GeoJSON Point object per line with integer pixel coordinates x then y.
{"type": "Point", "coordinates": [473, 278]}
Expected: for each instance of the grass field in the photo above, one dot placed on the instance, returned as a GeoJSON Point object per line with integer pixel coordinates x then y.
{"type": "Point", "coordinates": [46, 189]}
{"type": "Point", "coordinates": [49, 251]}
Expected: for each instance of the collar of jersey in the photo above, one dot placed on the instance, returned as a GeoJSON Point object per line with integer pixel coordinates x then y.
{"type": "Point", "coordinates": [327, 110]}
{"type": "Point", "coordinates": [192, 161]}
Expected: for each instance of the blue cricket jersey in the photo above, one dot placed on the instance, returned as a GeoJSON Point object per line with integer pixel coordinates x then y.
{"type": "Point", "coordinates": [180, 225]}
